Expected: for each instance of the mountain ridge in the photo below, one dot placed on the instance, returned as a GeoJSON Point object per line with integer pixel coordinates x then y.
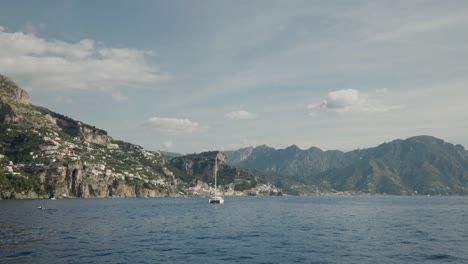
{"type": "Point", "coordinates": [416, 165]}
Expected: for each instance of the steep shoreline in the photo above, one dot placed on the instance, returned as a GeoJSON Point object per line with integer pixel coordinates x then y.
{"type": "Point", "coordinates": [46, 154]}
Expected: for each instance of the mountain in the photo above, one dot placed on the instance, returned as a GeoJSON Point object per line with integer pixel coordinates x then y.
{"type": "Point", "coordinates": [197, 170]}
{"type": "Point", "coordinates": [417, 165]}
{"type": "Point", "coordinates": [46, 154]}
{"type": "Point", "coordinates": [290, 161]}
{"type": "Point", "coordinates": [291, 168]}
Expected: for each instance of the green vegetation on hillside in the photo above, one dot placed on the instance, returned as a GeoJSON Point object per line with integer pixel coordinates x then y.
{"type": "Point", "coordinates": [21, 183]}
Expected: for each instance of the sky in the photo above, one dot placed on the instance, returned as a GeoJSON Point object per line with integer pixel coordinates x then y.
{"type": "Point", "coordinates": [191, 76]}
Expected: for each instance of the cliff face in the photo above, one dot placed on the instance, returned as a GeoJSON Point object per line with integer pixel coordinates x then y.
{"type": "Point", "coordinates": [11, 92]}
{"type": "Point", "coordinates": [10, 97]}
{"type": "Point", "coordinates": [74, 181]}
{"type": "Point", "coordinates": [7, 114]}
{"type": "Point", "coordinates": [44, 154]}
{"type": "Point", "coordinates": [57, 166]}
{"type": "Point", "coordinates": [77, 129]}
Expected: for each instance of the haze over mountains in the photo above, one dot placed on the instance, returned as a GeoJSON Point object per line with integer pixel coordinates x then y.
{"type": "Point", "coordinates": [43, 154]}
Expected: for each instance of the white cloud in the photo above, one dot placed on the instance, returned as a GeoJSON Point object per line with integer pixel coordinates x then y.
{"type": "Point", "coordinates": [350, 100]}
{"type": "Point", "coordinates": [172, 125]}
{"type": "Point", "coordinates": [241, 115]}
{"type": "Point", "coordinates": [38, 63]}
{"type": "Point", "coordinates": [168, 144]}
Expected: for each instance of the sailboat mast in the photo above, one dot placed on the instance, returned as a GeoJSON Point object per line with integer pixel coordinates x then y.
{"type": "Point", "coordinates": [216, 172]}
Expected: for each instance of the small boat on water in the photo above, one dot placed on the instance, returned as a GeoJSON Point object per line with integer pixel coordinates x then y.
{"type": "Point", "coordinates": [216, 199]}
{"type": "Point", "coordinates": [40, 207]}
{"type": "Point", "coordinates": [53, 198]}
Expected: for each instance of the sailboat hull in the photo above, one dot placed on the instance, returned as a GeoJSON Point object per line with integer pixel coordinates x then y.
{"type": "Point", "coordinates": [216, 200]}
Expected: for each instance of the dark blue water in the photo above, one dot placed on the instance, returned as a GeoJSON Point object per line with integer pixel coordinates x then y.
{"type": "Point", "coordinates": [358, 229]}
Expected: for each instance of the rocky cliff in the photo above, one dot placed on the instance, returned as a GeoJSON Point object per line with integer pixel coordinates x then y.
{"type": "Point", "coordinates": [46, 154]}
{"type": "Point", "coordinates": [11, 92]}
{"type": "Point", "coordinates": [10, 97]}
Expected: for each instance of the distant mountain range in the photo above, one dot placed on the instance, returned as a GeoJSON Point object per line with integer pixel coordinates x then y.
{"type": "Point", "coordinates": [417, 165]}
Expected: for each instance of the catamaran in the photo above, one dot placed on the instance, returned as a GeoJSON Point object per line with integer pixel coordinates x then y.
{"type": "Point", "coordinates": [216, 199]}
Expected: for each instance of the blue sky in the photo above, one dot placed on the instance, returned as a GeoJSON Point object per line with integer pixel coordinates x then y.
{"type": "Point", "coordinates": [190, 76]}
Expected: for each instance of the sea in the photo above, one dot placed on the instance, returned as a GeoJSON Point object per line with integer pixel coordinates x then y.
{"type": "Point", "coordinates": [289, 229]}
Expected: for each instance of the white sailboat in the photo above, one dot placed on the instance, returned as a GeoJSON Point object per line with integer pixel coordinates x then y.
{"type": "Point", "coordinates": [216, 199]}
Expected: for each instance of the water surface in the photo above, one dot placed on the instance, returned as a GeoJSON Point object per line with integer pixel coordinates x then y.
{"type": "Point", "coordinates": [326, 229]}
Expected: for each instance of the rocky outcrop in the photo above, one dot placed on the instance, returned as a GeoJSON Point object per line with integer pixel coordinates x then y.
{"type": "Point", "coordinates": [7, 114]}
{"type": "Point", "coordinates": [93, 136]}
{"type": "Point", "coordinates": [74, 177]}
{"type": "Point", "coordinates": [12, 194]}
{"type": "Point", "coordinates": [10, 96]}
{"type": "Point", "coordinates": [27, 195]}
{"type": "Point", "coordinates": [199, 188]}
{"type": "Point", "coordinates": [10, 91]}
{"type": "Point", "coordinates": [77, 129]}
{"type": "Point", "coordinates": [6, 194]}
{"type": "Point", "coordinates": [74, 180]}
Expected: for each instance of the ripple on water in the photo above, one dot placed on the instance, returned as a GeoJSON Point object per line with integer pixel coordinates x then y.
{"type": "Point", "coordinates": [445, 258]}
{"type": "Point", "coordinates": [18, 256]}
